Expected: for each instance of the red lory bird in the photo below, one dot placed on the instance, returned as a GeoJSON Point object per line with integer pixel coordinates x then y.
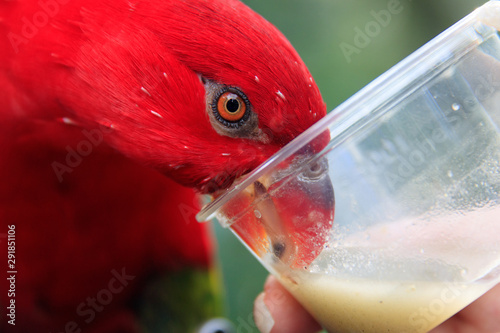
{"type": "Point", "coordinates": [114, 114]}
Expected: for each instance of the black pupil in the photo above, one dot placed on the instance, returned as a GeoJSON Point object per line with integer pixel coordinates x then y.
{"type": "Point", "coordinates": [232, 105]}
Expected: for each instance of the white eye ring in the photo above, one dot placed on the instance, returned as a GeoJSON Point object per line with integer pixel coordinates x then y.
{"type": "Point", "coordinates": [217, 325]}
{"type": "Point", "coordinates": [228, 120]}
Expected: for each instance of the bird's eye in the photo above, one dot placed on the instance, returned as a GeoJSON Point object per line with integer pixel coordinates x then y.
{"type": "Point", "coordinates": [230, 112]}
{"type": "Point", "coordinates": [231, 107]}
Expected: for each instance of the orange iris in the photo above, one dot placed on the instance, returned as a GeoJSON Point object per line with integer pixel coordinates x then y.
{"type": "Point", "coordinates": [231, 107]}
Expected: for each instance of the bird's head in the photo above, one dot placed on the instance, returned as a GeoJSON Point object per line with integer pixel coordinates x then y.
{"type": "Point", "coordinates": [204, 91]}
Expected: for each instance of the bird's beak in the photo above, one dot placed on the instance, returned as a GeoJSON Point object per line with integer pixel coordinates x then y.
{"type": "Point", "coordinates": [294, 207]}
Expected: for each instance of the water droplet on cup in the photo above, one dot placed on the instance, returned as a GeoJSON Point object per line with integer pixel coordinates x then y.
{"type": "Point", "coordinates": [257, 214]}
{"type": "Point", "coordinates": [455, 106]}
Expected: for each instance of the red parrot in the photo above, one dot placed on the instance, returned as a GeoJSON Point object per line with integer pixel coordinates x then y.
{"type": "Point", "coordinates": [114, 114]}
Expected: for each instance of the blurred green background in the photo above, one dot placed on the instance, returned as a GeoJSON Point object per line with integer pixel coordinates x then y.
{"type": "Point", "coordinates": [317, 29]}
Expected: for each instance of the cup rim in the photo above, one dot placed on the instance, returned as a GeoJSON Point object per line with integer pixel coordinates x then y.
{"type": "Point", "coordinates": [450, 44]}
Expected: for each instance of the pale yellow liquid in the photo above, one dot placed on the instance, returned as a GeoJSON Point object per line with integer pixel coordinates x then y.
{"type": "Point", "coordinates": [367, 306]}
{"type": "Point", "coordinates": [400, 296]}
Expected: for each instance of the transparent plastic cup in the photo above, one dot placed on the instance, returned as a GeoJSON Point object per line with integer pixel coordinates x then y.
{"type": "Point", "coordinates": [385, 215]}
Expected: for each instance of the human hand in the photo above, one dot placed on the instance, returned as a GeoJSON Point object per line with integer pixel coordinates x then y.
{"type": "Point", "coordinates": [276, 311]}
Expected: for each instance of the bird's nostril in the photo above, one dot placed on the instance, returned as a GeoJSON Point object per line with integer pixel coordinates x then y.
{"type": "Point", "coordinates": [315, 170]}
{"type": "Point", "coordinates": [315, 167]}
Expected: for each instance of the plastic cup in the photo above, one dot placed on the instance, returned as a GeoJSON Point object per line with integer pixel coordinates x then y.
{"type": "Point", "coordinates": [384, 216]}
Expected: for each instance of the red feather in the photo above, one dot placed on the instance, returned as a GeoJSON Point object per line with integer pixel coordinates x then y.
{"type": "Point", "coordinates": [104, 63]}
{"type": "Point", "coordinates": [97, 94]}
{"type": "Point", "coordinates": [107, 214]}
